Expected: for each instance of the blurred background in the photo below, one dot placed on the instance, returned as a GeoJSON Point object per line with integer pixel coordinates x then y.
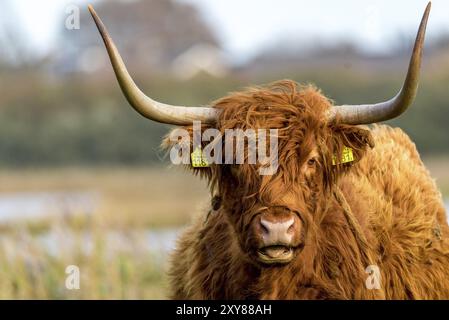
{"type": "Point", "coordinates": [82, 179]}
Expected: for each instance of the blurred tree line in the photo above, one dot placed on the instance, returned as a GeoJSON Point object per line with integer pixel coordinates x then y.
{"type": "Point", "coordinates": [67, 109]}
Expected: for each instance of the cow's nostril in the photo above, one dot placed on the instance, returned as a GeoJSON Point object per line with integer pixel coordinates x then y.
{"type": "Point", "coordinates": [277, 232]}
{"type": "Point", "coordinates": [265, 226]}
{"type": "Point", "coordinates": [291, 226]}
{"type": "Point", "coordinates": [265, 230]}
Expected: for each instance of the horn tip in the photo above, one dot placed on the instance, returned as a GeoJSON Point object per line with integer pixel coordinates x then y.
{"type": "Point", "coordinates": [428, 7]}
{"type": "Point", "coordinates": [91, 10]}
{"type": "Point", "coordinates": [98, 22]}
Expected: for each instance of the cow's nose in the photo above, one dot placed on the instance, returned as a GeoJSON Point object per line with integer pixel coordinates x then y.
{"type": "Point", "coordinates": [279, 231]}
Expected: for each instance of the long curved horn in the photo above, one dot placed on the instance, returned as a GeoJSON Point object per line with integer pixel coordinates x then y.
{"type": "Point", "coordinates": [372, 113]}
{"type": "Point", "coordinates": [147, 107]}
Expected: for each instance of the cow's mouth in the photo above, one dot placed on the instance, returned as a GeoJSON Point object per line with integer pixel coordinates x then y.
{"type": "Point", "coordinates": [275, 254]}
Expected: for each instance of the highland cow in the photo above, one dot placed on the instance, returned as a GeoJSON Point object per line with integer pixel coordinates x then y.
{"type": "Point", "coordinates": [317, 227]}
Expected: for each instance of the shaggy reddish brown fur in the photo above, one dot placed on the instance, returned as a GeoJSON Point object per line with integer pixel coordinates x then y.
{"type": "Point", "coordinates": [390, 194]}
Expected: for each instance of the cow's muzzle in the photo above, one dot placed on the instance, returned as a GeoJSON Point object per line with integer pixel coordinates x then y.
{"type": "Point", "coordinates": [275, 254]}
{"type": "Point", "coordinates": [279, 233]}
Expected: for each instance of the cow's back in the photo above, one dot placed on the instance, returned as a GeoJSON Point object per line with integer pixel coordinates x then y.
{"type": "Point", "coordinates": [402, 212]}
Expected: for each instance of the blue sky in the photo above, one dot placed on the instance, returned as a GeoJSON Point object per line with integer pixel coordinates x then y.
{"type": "Point", "coordinates": [246, 26]}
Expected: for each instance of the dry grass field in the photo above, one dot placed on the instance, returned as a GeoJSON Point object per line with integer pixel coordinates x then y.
{"type": "Point", "coordinates": [110, 245]}
{"type": "Point", "coordinates": [120, 244]}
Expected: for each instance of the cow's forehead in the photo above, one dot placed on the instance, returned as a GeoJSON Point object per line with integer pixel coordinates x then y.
{"type": "Point", "coordinates": [275, 106]}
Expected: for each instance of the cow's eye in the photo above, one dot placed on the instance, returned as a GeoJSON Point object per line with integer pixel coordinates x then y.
{"type": "Point", "coordinates": [311, 162]}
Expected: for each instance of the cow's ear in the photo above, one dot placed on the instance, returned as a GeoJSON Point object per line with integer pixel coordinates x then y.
{"type": "Point", "coordinates": [178, 145]}
{"type": "Point", "coordinates": [357, 139]}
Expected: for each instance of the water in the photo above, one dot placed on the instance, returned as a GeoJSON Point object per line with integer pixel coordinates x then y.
{"type": "Point", "coordinates": [160, 242]}
{"type": "Point", "coordinates": [38, 205]}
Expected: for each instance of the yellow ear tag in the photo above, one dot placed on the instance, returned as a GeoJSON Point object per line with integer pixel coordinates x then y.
{"type": "Point", "coordinates": [346, 156]}
{"type": "Point", "coordinates": [198, 159]}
